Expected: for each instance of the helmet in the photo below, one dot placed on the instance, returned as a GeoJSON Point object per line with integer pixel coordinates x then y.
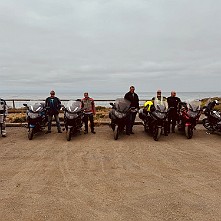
{"type": "Point", "coordinates": [216, 102]}
{"type": "Point", "coordinates": [148, 104]}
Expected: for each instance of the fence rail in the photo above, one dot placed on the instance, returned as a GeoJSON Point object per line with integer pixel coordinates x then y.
{"type": "Point", "coordinates": [19, 102]}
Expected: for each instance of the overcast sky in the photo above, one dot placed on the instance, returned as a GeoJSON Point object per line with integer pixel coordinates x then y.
{"type": "Point", "coordinates": [108, 45]}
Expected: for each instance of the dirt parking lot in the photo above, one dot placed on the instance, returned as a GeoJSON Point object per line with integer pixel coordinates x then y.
{"type": "Point", "coordinates": [94, 177]}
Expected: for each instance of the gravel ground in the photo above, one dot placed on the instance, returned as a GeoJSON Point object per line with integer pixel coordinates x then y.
{"type": "Point", "coordinates": [94, 177]}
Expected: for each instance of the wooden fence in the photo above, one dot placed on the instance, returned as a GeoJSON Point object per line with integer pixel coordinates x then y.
{"type": "Point", "coordinates": [18, 103]}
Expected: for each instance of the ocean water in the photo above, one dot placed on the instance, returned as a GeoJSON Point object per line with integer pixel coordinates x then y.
{"type": "Point", "coordinates": [184, 96]}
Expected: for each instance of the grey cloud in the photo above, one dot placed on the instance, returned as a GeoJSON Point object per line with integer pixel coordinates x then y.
{"type": "Point", "coordinates": [104, 43]}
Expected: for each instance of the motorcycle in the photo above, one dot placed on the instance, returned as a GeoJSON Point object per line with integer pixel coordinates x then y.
{"type": "Point", "coordinates": [118, 115]}
{"type": "Point", "coordinates": [212, 122]}
{"type": "Point", "coordinates": [3, 113]}
{"type": "Point", "coordinates": [73, 118]}
{"type": "Point", "coordinates": [155, 121]}
{"type": "Point", "coordinates": [188, 114]}
{"type": "Point", "coordinates": [36, 118]}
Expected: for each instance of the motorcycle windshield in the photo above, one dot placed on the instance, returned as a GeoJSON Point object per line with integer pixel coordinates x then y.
{"type": "Point", "coordinates": [161, 105]}
{"type": "Point", "coordinates": [73, 106]}
{"type": "Point", "coordinates": [122, 105]}
{"type": "Point", "coordinates": [36, 107]}
{"type": "Point", "coordinates": [194, 105]}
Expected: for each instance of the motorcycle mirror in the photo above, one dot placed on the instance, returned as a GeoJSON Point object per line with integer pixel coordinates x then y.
{"type": "Point", "coordinates": [25, 105]}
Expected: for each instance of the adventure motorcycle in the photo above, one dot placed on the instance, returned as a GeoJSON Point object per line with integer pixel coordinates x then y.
{"type": "Point", "coordinates": [3, 113]}
{"type": "Point", "coordinates": [36, 118]}
{"type": "Point", "coordinates": [118, 115]}
{"type": "Point", "coordinates": [189, 114]}
{"type": "Point", "coordinates": [212, 122]}
{"type": "Point", "coordinates": [155, 121]}
{"type": "Point", "coordinates": [73, 118]}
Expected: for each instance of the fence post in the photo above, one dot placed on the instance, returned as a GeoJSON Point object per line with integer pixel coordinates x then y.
{"type": "Point", "coordinates": [13, 104]}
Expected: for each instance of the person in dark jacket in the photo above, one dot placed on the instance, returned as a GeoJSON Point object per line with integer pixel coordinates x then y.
{"type": "Point", "coordinates": [54, 105]}
{"type": "Point", "coordinates": [134, 99]}
{"type": "Point", "coordinates": [173, 102]}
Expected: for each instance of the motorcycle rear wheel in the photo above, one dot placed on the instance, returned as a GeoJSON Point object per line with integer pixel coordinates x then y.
{"type": "Point", "coordinates": [189, 132]}
{"type": "Point", "coordinates": [30, 133]}
{"type": "Point", "coordinates": [116, 132]}
{"type": "Point", "coordinates": [68, 134]}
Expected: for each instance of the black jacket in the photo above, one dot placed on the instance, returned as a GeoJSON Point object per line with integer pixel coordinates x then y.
{"type": "Point", "coordinates": [54, 105]}
{"type": "Point", "coordinates": [133, 99]}
{"type": "Point", "coordinates": [173, 102]}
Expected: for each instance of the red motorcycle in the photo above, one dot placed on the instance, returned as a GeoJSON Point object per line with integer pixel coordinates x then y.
{"type": "Point", "coordinates": [189, 114]}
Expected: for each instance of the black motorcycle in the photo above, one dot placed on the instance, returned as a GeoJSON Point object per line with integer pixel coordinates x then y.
{"type": "Point", "coordinates": [118, 115]}
{"type": "Point", "coordinates": [3, 111]}
{"type": "Point", "coordinates": [188, 114]}
{"type": "Point", "coordinates": [36, 118]}
{"type": "Point", "coordinates": [155, 121]}
{"type": "Point", "coordinates": [73, 118]}
{"type": "Point", "coordinates": [212, 122]}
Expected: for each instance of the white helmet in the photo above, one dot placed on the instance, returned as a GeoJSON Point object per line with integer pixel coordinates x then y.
{"type": "Point", "coordinates": [216, 102]}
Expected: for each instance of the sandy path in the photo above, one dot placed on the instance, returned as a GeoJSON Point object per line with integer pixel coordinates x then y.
{"type": "Point", "coordinates": [94, 177]}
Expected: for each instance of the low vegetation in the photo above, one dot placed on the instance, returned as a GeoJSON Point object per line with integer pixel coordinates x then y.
{"type": "Point", "coordinates": [102, 113]}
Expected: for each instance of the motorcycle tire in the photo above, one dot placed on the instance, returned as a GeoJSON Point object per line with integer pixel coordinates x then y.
{"type": "Point", "coordinates": [31, 133]}
{"type": "Point", "coordinates": [189, 132]}
{"type": "Point", "coordinates": [156, 133]}
{"type": "Point", "coordinates": [145, 127]}
{"type": "Point", "coordinates": [207, 125]}
{"type": "Point", "coordinates": [116, 132]}
{"type": "Point", "coordinates": [68, 134]}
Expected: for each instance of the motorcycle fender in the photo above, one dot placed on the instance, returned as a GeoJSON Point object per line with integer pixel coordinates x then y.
{"type": "Point", "coordinates": [69, 127]}
{"type": "Point", "coordinates": [187, 124]}
{"type": "Point", "coordinates": [32, 126]}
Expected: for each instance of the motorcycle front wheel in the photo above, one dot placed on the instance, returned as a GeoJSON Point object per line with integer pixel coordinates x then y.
{"type": "Point", "coordinates": [207, 125]}
{"type": "Point", "coordinates": [146, 128]}
{"type": "Point", "coordinates": [116, 132]}
{"type": "Point", "coordinates": [68, 134]}
{"type": "Point", "coordinates": [156, 133]}
{"type": "Point", "coordinates": [189, 132]}
{"type": "Point", "coordinates": [30, 133]}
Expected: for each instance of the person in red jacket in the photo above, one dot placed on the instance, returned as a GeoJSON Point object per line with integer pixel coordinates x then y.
{"type": "Point", "coordinates": [89, 112]}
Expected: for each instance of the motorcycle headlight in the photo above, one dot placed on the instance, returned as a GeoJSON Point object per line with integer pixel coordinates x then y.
{"type": "Point", "coordinates": [118, 114]}
{"type": "Point", "coordinates": [33, 115]}
{"type": "Point", "coordinates": [71, 115]}
{"type": "Point", "coordinates": [193, 114]}
{"type": "Point", "coordinates": [160, 115]}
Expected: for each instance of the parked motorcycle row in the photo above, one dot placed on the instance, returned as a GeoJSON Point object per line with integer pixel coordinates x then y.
{"type": "Point", "coordinates": [155, 117]}
{"type": "Point", "coordinates": [37, 118]}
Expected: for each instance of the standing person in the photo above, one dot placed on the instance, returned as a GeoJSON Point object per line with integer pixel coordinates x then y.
{"type": "Point", "coordinates": [89, 112]}
{"type": "Point", "coordinates": [134, 99]}
{"type": "Point", "coordinates": [54, 105]}
{"type": "Point", "coordinates": [173, 102]}
{"type": "Point", "coordinates": [159, 96]}
{"type": "Point", "coordinates": [3, 112]}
